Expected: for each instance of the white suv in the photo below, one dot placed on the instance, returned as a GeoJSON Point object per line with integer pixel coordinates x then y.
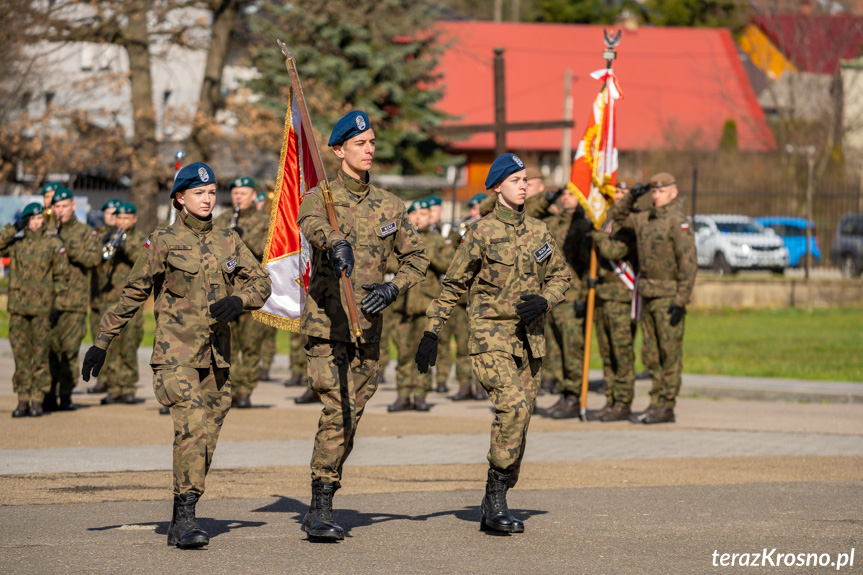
{"type": "Point", "coordinates": [728, 243]}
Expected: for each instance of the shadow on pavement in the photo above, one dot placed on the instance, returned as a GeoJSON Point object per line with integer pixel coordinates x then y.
{"type": "Point", "coordinates": [213, 527]}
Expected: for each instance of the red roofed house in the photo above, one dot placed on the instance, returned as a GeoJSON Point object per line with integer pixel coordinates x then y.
{"type": "Point", "coordinates": [680, 86]}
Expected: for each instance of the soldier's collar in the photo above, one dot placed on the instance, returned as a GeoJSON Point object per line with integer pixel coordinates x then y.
{"type": "Point", "coordinates": [507, 215]}
{"type": "Point", "coordinates": [355, 186]}
{"type": "Point", "coordinates": [28, 233]}
{"type": "Point", "coordinates": [196, 225]}
{"type": "Point", "coordinates": [662, 210]}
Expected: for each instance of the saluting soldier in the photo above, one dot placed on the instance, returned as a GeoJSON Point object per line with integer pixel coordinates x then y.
{"type": "Point", "coordinates": [37, 271]}
{"type": "Point", "coordinates": [666, 256]}
{"type": "Point", "coordinates": [120, 252]}
{"type": "Point", "coordinates": [68, 318]}
{"type": "Point", "coordinates": [246, 333]}
{"type": "Point", "coordinates": [372, 224]}
{"type": "Point", "coordinates": [513, 274]}
{"type": "Point", "coordinates": [203, 278]}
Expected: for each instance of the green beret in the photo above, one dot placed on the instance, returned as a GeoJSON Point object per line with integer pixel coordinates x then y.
{"type": "Point", "coordinates": [261, 197]}
{"type": "Point", "coordinates": [476, 199]}
{"type": "Point", "coordinates": [50, 188]}
{"type": "Point", "coordinates": [111, 204]}
{"type": "Point", "coordinates": [33, 209]}
{"type": "Point", "coordinates": [243, 182]}
{"type": "Point", "coordinates": [126, 208]}
{"type": "Point", "coordinates": [434, 201]}
{"type": "Point", "coordinates": [62, 194]}
{"type": "Point", "coordinates": [418, 205]}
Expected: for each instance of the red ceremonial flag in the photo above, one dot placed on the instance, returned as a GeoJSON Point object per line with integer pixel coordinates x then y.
{"type": "Point", "coordinates": [594, 171]}
{"type": "Point", "coordinates": [287, 257]}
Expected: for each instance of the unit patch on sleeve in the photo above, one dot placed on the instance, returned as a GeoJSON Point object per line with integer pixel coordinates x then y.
{"type": "Point", "coordinates": [389, 229]}
{"type": "Point", "coordinates": [543, 252]}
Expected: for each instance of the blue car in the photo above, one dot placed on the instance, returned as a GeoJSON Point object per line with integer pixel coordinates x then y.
{"type": "Point", "coordinates": [793, 234]}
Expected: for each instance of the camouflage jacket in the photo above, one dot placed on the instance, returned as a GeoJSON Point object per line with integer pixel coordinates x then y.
{"type": "Point", "coordinates": [618, 245]}
{"type": "Point", "coordinates": [504, 255]}
{"type": "Point", "coordinates": [252, 227]}
{"type": "Point", "coordinates": [188, 266]}
{"type": "Point", "coordinates": [376, 225]}
{"type": "Point", "coordinates": [109, 277]}
{"type": "Point", "coordinates": [38, 269]}
{"type": "Point", "coordinates": [569, 229]}
{"type": "Point", "coordinates": [440, 252]}
{"type": "Point", "coordinates": [84, 252]}
{"type": "Point", "coordinates": [666, 249]}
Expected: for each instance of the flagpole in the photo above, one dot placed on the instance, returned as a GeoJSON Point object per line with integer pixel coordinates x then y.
{"type": "Point", "coordinates": [324, 183]}
{"type": "Point", "coordinates": [609, 54]}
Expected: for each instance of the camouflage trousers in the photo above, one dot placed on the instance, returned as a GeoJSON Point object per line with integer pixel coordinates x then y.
{"type": "Point", "coordinates": [120, 372]}
{"type": "Point", "coordinates": [664, 344]}
{"type": "Point", "coordinates": [512, 384]}
{"type": "Point", "coordinates": [457, 328]}
{"type": "Point", "coordinates": [246, 339]}
{"type": "Point", "coordinates": [28, 336]}
{"type": "Point", "coordinates": [66, 339]}
{"type": "Point", "coordinates": [568, 332]}
{"type": "Point", "coordinates": [614, 335]}
{"type": "Point", "coordinates": [552, 367]}
{"type": "Point", "coordinates": [199, 399]}
{"type": "Point", "coordinates": [409, 381]}
{"type": "Point", "coordinates": [345, 376]}
{"type": "Point", "coordinates": [387, 332]}
{"type": "Point", "coordinates": [298, 353]}
{"type": "Point", "coordinates": [268, 346]}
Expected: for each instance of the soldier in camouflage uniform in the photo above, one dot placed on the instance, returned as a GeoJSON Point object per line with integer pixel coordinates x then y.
{"type": "Point", "coordinates": [372, 225]}
{"type": "Point", "coordinates": [69, 321]}
{"type": "Point", "coordinates": [457, 327]}
{"type": "Point", "coordinates": [666, 258]}
{"type": "Point", "coordinates": [410, 307]}
{"type": "Point", "coordinates": [247, 335]}
{"type": "Point", "coordinates": [38, 267]}
{"type": "Point", "coordinates": [513, 273]}
{"type": "Point", "coordinates": [268, 345]}
{"type": "Point", "coordinates": [203, 277]}
{"type": "Point", "coordinates": [96, 278]}
{"type": "Point", "coordinates": [120, 373]}
{"type": "Point", "coordinates": [615, 248]}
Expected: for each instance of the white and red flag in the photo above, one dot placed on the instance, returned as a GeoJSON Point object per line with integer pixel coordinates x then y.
{"type": "Point", "coordinates": [287, 257]}
{"type": "Point", "coordinates": [594, 171]}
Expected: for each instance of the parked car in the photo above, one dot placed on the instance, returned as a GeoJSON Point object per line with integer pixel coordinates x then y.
{"type": "Point", "coordinates": [728, 243]}
{"type": "Point", "coordinates": [847, 252]}
{"type": "Point", "coordinates": [793, 234]}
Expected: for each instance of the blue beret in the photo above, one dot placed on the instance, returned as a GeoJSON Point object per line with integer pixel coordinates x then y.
{"type": "Point", "coordinates": [261, 197]}
{"type": "Point", "coordinates": [350, 125]}
{"type": "Point", "coordinates": [50, 187]}
{"type": "Point", "coordinates": [243, 182]}
{"type": "Point", "coordinates": [476, 199]}
{"type": "Point", "coordinates": [33, 209]}
{"type": "Point", "coordinates": [62, 194]}
{"type": "Point", "coordinates": [434, 201]}
{"type": "Point", "coordinates": [126, 208]}
{"type": "Point", "coordinates": [111, 204]}
{"type": "Point", "coordinates": [194, 175]}
{"type": "Point", "coordinates": [503, 166]}
{"type": "Point", "coordinates": [418, 205]}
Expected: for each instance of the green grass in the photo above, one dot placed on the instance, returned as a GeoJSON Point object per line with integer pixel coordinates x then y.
{"type": "Point", "coordinates": [826, 344]}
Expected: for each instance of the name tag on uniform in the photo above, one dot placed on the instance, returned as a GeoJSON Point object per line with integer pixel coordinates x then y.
{"type": "Point", "coordinates": [389, 228]}
{"type": "Point", "coordinates": [231, 263]}
{"type": "Point", "coordinates": [542, 253]}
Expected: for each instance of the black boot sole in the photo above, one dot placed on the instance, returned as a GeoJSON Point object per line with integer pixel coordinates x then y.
{"type": "Point", "coordinates": [513, 528]}
{"type": "Point", "coordinates": [323, 535]}
{"type": "Point", "coordinates": [195, 543]}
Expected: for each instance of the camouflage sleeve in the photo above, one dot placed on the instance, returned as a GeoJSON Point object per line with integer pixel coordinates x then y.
{"type": "Point", "coordinates": [411, 254]}
{"type": "Point", "coordinates": [684, 253]}
{"type": "Point", "coordinates": [487, 205]}
{"type": "Point", "coordinates": [251, 279]}
{"type": "Point", "coordinates": [60, 269]}
{"type": "Point", "coordinates": [536, 206]}
{"type": "Point", "coordinates": [85, 249]}
{"type": "Point", "coordinates": [464, 266]}
{"type": "Point", "coordinates": [257, 237]}
{"type": "Point", "coordinates": [134, 246]}
{"type": "Point", "coordinates": [314, 224]}
{"type": "Point", "coordinates": [149, 267]}
{"type": "Point", "coordinates": [608, 247]}
{"type": "Point", "coordinates": [7, 238]}
{"type": "Point", "coordinates": [440, 254]}
{"type": "Point", "coordinates": [621, 211]}
{"type": "Point", "coordinates": [557, 277]}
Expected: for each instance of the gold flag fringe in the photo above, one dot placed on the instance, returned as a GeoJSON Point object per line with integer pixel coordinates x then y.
{"type": "Point", "coordinates": [276, 321]}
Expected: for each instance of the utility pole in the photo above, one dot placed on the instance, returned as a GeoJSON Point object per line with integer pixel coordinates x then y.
{"type": "Point", "coordinates": [566, 145]}
{"type": "Point", "coordinates": [809, 153]}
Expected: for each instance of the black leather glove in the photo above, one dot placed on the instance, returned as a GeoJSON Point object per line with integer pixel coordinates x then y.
{"type": "Point", "coordinates": [639, 190]}
{"type": "Point", "coordinates": [239, 231]}
{"type": "Point", "coordinates": [531, 307]}
{"type": "Point", "coordinates": [580, 309]}
{"type": "Point", "coordinates": [552, 195]}
{"type": "Point", "coordinates": [227, 309]}
{"type": "Point", "coordinates": [93, 362]}
{"type": "Point", "coordinates": [380, 297]}
{"type": "Point", "coordinates": [342, 258]}
{"type": "Point", "coordinates": [22, 223]}
{"type": "Point", "coordinates": [426, 352]}
{"type": "Point", "coordinates": [677, 312]}
{"type": "Point", "coordinates": [54, 317]}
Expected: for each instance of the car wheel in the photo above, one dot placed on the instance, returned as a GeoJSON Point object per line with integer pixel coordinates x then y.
{"type": "Point", "coordinates": [849, 269]}
{"type": "Point", "coordinates": [720, 265]}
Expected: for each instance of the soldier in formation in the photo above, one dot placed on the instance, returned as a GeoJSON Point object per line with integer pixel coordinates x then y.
{"type": "Point", "coordinates": [513, 273]}
{"type": "Point", "coordinates": [37, 273]}
{"type": "Point", "coordinates": [372, 225]}
{"type": "Point", "coordinates": [204, 277]}
{"type": "Point", "coordinates": [96, 308]}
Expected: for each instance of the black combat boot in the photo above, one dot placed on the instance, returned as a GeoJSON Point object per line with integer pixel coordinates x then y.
{"type": "Point", "coordinates": [464, 392]}
{"type": "Point", "coordinates": [164, 410]}
{"type": "Point", "coordinates": [100, 387]}
{"type": "Point", "coordinates": [319, 522]}
{"type": "Point", "coordinates": [36, 409]}
{"type": "Point", "coordinates": [481, 394]}
{"type": "Point", "coordinates": [23, 409]}
{"type": "Point", "coordinates": [495, 513]}
{"type": "Point", "coordinates": [265, 375]}
{"type": "Point", "coordinates": [401, 404]}
{"type": "Point", "coordinates": [49, 403]}
{"type": "Point", "coordinates": [184, 531]}
{"type": "Point", "coordinates": [294, 380]}
{"type": "Point", "coordinates": [66, 403]}
{"type": "Point", "coordinates": [310, 396]}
